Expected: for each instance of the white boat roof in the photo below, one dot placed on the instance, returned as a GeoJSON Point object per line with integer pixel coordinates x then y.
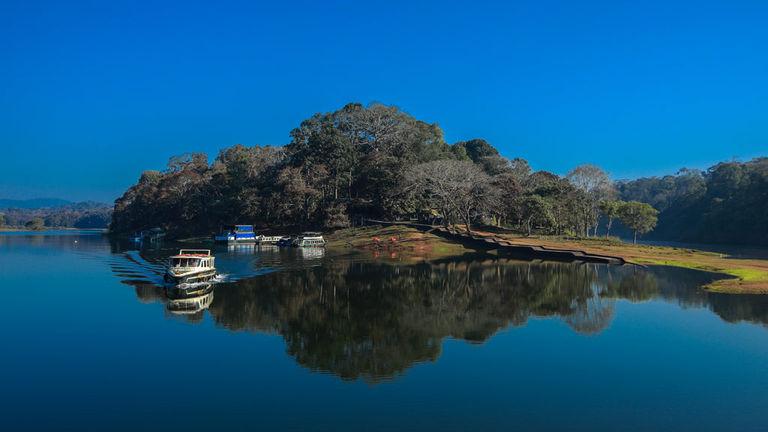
{"type": "Point", "coordinates": [193, 253]}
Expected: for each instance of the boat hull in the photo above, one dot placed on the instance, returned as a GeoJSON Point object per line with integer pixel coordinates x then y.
{"type": "Point", "coordinates": [234, 240]}
{"type": "Point", "coordinates": [188, 278]}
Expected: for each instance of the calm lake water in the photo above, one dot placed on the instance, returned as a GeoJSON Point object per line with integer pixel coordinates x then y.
{"type": "Point", "coordinates": [293, 340]}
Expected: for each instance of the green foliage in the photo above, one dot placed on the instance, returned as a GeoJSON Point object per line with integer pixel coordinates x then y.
{"type": "Point", "coordinates": [609, 209]}
{"type": "Point", "coordinates": [639, 217]}
{"type": "Point", "coordinates": [377, 161]}
{"type": "Point", "coordinates": [339, 166]}
{"type": "Point", "coordinates": [355, 163]}
{"type": "Point", "coordinates": [537, 211]}
{"type": "Point", "coordinates": [728, 203]}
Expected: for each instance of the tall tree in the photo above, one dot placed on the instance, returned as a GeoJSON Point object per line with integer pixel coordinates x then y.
{"type": "Point", "coordinates": [597, 185]}
{"type": "Point", "coordinates": [610, 210]}
{"type": "Point", "coordinates": [639, 217]}
{"type": "Point", "coordinates": [458, 189]}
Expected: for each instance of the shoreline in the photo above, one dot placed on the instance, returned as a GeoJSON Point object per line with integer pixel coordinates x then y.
{"type": "Point", "coordinates": [746, 276]}
{"type": "Point", "coordinates": [19, 229]}
{"type": "Point", "coordinates": [406, 243]}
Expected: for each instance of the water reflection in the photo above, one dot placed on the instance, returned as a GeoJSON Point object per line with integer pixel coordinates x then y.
{"type": "Point", "coordinates": [374, 320]}
{"type": "Point", "coordinates": [191, 300]}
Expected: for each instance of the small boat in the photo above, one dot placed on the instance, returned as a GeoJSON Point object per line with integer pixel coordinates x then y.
{"type": "Point", "coordinates": [270, 239]}
{"type": "Point", "coordinates": [190, 266]}
{"type": "Point", "coordinates": [236, 234]}
{"type": "Point", "coordinates": [309, 239]}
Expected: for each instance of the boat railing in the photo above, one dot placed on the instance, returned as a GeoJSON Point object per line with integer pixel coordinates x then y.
{"type": "Point", "coordinates": [205, 252]}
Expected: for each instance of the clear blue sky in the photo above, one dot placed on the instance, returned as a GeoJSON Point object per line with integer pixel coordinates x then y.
{"type": "Point", "coordinates": [95, 92]}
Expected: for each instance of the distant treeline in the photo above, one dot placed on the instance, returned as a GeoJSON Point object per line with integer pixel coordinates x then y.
{"type": "Point", "coordinates": [360, 162]}
{"type": "Point", "coordinates": [75, 215]}
{"type": "Point", "coordinates": [727, 203]}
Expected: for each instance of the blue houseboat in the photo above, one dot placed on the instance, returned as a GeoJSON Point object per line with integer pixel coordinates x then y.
{"type": "Point", "coordinates": [236, 234]}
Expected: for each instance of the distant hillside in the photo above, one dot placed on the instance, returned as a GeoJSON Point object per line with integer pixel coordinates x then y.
{"type": "Point", "coordinates": [53, 212]}
{"type": "Point", "coordinates": [34, 203]}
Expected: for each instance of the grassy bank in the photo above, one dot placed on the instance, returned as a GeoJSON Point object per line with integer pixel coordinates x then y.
{"type": "Point", "coordinates": [396, 242]}
{"type": "Point", "coordinates": [748, 275]}
{"type": "Point", "coordinates": [407, 243]}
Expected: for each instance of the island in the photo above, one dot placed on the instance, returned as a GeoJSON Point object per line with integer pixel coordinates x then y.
{"type": "Point", "coordinates": [343, 169]}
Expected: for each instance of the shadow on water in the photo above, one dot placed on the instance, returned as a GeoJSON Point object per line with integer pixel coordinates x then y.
{"type": "Point", "coordinates": [372, 320]}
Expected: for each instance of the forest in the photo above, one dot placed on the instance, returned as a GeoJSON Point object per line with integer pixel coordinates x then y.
{"type": "Point", "coordinates": [378, 162]}
{"type": "Point", "coordinates": [727, 203]}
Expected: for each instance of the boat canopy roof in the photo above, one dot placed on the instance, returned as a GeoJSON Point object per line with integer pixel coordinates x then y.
{"type": "Point", "coordinates": [193, 253]}
{"type": "Point", "coordinates": [238, 227]}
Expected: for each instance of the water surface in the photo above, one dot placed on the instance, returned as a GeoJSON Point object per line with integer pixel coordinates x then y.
{"type": "Point", "coordinates": [302, 340]}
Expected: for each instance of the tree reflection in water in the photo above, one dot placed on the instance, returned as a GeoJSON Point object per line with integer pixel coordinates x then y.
{"type": "Point", "coordinates": [374, 320]}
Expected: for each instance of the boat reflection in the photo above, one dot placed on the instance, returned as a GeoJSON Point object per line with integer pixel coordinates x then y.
{"type": "Point", "coordinates": [242, 248]}
{"type": "Point", "coordinates": [190, 299]}
{"type": "Point", "coordinates": [310, 253]}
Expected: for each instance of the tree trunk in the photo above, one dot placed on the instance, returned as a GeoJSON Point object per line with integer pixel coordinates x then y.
{"type": "Point", "coordinates": [467, 219]}
{"type": "Point", "coordinates": [634, 240]}
{"type": "Point", "coordinates": [608, 228]}
{"type": "Point", "coordinates": [349, 185]}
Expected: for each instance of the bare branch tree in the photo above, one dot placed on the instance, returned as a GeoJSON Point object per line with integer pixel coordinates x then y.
{"type": "Point", "coordinates": [459, 190]}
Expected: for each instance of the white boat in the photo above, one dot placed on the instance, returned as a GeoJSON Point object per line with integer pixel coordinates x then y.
{"type": "Point", "coordinates": [190, 266]}
{"type": "Point", "coordinates": [270, 239]}
{"type": "Point", "coordinates": [309, 239]}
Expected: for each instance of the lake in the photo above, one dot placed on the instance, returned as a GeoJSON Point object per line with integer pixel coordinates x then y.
{"type": "Point", "coordinates": [301, 340]}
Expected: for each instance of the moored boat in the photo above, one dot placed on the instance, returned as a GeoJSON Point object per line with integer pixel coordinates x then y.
{"type": "Point", "coordinates": [190, 266]}
{"type": "Point", "coordinates": [309, 239]}
{"type": "Point", "coordinates": [236, 234]}
{"type": "Point", "coordinates": [270, 239]}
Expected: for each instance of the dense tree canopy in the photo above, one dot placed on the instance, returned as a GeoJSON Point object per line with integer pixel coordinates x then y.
{"type": "Point", "coordinates": [346, 166]}
{"type": "Point", "coordinates": [378, 162]}
{"type": "Point", "coordinates": [728, 203]}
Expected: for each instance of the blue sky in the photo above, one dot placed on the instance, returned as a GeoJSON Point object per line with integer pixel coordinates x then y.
{"type": "Point", "coordinates": [95, 92]}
